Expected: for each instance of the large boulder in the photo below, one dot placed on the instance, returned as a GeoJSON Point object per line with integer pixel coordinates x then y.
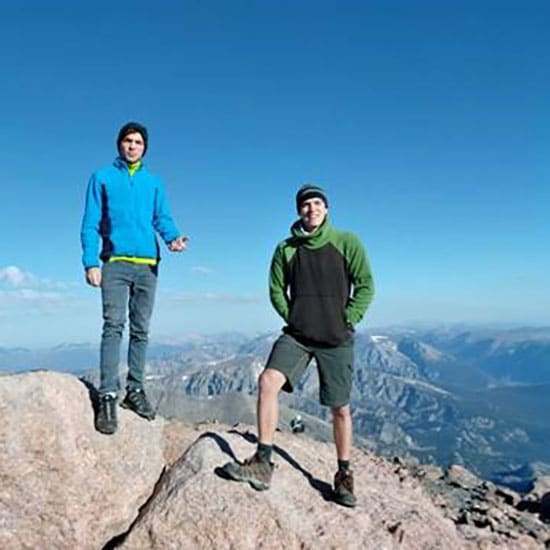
{"type": "Point", "coordinates": [62, 484]}
{"type": "Point", "coordinates": [193, 507]}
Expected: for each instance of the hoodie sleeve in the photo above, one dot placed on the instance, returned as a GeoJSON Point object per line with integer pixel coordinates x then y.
{"type": "Point", "coordinates": [278, 284]}
{"type": "Point", "coordinates": [162, 220]}
{"type": "Point", "coordinates": [89, 231]}
{"type": "Point", "coordinates": [361, 278]}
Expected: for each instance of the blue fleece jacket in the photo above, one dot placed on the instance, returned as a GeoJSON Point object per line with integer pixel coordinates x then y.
{"type": "Point", "coordinates": [125, 211]}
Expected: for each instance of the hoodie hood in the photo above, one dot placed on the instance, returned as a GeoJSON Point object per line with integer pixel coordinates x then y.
{"type": "Point", "coordinates": [317, 239]}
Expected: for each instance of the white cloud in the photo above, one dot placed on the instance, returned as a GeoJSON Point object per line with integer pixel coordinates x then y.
{"type": "Point", "coordinates": [29, 296]}
{"type": "Point", "coordinates": [24, 293]}
{"type": "Point", "coordinates": [202, 269]}
{"type": "Point", "coordinates": [14, 277]}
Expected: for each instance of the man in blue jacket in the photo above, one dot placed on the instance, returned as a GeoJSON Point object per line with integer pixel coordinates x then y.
{"type": "Point", "coordinates": [126, 207]}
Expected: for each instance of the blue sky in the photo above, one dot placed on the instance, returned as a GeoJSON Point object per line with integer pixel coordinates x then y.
{"type": "Point", "coordinates": [427, 123]}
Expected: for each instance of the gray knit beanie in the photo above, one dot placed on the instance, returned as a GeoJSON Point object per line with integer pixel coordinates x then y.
{"type": "Point", "coordinates": [310, 191]}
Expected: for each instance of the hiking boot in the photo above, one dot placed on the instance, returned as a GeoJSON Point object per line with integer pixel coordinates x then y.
{"type": "Point", "coordinates": [136, 401]}
{"type": "Point", "coordinates": [105, 420]}
{"type": "Point", "coordinates": [252, 470]}
{"type": "Point", "coordinates": [343, 488]}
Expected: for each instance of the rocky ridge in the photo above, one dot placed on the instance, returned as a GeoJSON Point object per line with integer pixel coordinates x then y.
{"type": "Point", "coordinates": [157, 485]}
{"type": "Point", "coordinates": [414, 395]}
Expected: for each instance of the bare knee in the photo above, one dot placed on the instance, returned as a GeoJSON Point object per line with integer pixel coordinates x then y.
{"type": "Point", "coordinates": [341, 413]}
{"type": "Point", "coordinates": [271, 381]}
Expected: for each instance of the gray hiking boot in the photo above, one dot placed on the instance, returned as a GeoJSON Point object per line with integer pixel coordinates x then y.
{"type": "Point", "coordinates": [136, 401]}
{"type": "Point", "coordinates": [106, 419]}
{"type": "Point", "coordinates": [343, 488]}
{"type": "Point", "coordinates": [252, 470]}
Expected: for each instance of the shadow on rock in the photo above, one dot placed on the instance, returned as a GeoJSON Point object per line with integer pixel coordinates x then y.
{"type": "Point", "coordinates": [220, 442]}
{"type": "Point", "coordinates": [544, 508]}
{"type": "Point", "coordinates": [92, 393]}
{"type": "Point", "coordinates": [324, 488]}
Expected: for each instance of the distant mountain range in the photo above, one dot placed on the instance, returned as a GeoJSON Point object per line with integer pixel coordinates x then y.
{"type": "Point", "coordinates": [81, 357]}
{"type": "Point", "coordinates": [476, 397]}
{"type": "Point", "coordinates": [418, 394]}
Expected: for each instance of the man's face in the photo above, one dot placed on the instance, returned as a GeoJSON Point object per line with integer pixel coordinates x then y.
{"type": "Point", "coordinates": [132, 147]}
{"type": "Point", "coordinates": [313, 213]}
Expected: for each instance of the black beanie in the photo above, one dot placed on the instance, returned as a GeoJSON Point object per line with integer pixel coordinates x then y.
{"type": "Point", "coordinates": [310, 191]}
{"type": "Point", "coordinates": [130, 128]}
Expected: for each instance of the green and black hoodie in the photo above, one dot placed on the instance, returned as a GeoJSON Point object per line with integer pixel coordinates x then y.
{"type": "Point", "coordinates": [320, 283]}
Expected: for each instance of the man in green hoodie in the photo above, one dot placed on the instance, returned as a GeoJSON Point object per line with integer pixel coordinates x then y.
{"type": "Point", "coordinates": [321, 285]}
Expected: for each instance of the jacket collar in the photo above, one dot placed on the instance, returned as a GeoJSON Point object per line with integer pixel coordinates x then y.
{"type": "Point", "coordinates": [121, 164]}
{"type": "Point", "coordinates": [311, 240]}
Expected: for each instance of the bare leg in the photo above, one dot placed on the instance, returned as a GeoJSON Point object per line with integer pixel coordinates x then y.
{"type": "Point", "coordinates": [342, 429]}
{"type": "Point", "coordinates": [270, 384]}
{"type": "Point", "coordinates": [258, 469]}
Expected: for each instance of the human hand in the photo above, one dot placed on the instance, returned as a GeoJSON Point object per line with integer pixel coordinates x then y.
{"type": "Point", "coordinates": [93, 276]}
{"type": "Point", "coordinates": [178, 245]}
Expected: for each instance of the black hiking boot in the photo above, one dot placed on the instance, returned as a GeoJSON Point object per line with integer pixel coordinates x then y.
{"type": "Point", "coordinates": [253, 470]}
{"type": "Point", "coordinates": [105, 420]}
{"type": "Point", "coordinates": [343, 488]}
{"type": "Point", "coordinates": [136, 401]}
